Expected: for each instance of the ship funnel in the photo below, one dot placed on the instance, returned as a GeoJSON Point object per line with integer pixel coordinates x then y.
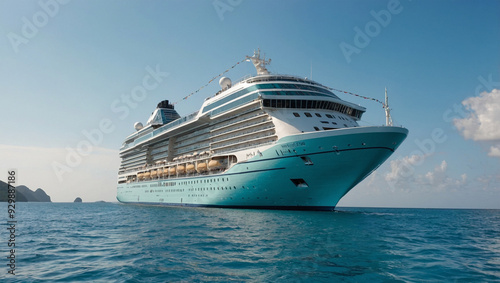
{"type": "Point", "coordinates": [165, 104]}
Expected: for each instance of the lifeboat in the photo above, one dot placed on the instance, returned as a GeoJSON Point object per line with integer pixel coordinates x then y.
{"type": "Point", "coordinates": [214, 164]}
{"type": "Point", "coordinates": [171, 171]}
{"type": "Point", "coordinates": [160, 172]}
{"type": "Point", "coordinates": [140, 176]}
{"type": "Point", "coordinates": [147, 175]}
{"type": "Point", "coordinates": [165, 171]}
{"type": "Point", "coordinates": [181, 169]}
{"type": "Point", "coordinates": [190, 168]}
{"type": "Point", "coordinates": [202, 167]}
{"type": "Point", "coordinates": [153, 173]}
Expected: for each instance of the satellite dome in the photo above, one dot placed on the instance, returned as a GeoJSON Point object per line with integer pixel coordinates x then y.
{"type": "Point", "coordinates": [138, 126]}
{"type": "Point", "coordinates": [225, 82]}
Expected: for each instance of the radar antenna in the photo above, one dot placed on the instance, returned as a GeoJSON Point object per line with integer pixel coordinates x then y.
{"type": "Point", "coordinates": [388, 118]}
{"type": "Point", "coordinates": [260, 64]}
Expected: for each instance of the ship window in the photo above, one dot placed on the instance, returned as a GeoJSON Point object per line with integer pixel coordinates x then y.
{"type": "Point", "coordinates": [328, 128]}
{"type": "Point", "coordinates": [307, 114]}
{"type": "Point", "coordinates": [325, 122]}
{"type": "Point", "coordinates": [309, 104]}
{"type": "Point", "coordinates": [316, 128]}
{"type": "Point", "coordinates": [345, 125]}
{"type": "Point", "coordinates": [296, 114]}
{"type": "Point", "coordinates": [335, 123]}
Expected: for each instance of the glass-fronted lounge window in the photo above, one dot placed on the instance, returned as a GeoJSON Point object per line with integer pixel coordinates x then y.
{"type": "Point", "coordinates": [313, 104]}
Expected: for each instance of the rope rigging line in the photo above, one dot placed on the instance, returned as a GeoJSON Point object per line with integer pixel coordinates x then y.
{"type": "Point", "coordinates": [232, 67]}
{"type": "Point", "coordinates": [364, 97]}
{"type": "Point", "coordinates": [194, 92]}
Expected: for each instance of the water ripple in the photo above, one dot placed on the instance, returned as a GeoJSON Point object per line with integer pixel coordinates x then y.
{"type": "Point", "coordinates": [104, 242]}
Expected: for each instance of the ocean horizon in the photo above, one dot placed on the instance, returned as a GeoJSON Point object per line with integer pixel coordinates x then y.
{"type": "Point", "coordinates": [112, 242]}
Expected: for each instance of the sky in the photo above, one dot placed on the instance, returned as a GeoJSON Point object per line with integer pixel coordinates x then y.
{"type": "Point", "coordinates": [76, 75]}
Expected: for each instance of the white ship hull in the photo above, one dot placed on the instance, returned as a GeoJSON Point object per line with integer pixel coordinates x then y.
{"type": "Point", "coordinates": [309, 171]}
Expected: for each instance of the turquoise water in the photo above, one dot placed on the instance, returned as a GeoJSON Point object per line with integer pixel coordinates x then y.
{"type": "Point", "coordinates": [107, 242]}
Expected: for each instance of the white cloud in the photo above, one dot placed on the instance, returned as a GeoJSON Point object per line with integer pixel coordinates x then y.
{"type": "Point", "coordinates": [494, 151]}
{"type": "Point", "coordinates": [403, 169]}
{"type": "Point", "coordinates": [93, 179]}
{"type": "Point", "coordinates": [438, 179]}
{"type": "Point", "coordinates": [403, 176]}
{"type": "Point", "coordinates": [429, 185]}
{"type": "Point", "coordinates": [483, 122]}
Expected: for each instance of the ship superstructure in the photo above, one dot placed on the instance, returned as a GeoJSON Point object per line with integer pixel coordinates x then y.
{"type": "Point", "coordinates": [268, 141]}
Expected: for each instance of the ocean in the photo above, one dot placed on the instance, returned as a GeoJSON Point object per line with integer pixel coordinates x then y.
{"type": "Point", "coordinates": [111, 242]}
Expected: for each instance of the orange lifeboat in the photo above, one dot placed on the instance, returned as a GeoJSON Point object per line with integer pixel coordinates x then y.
{"type": "Point", "coordinates": [214, 164]}
{"type": "Point", "coordinates": [181, 169]}
{"type": "Point", "coordinates": [147, 175]}
{"type": "Point", "coordinates": [190, 168]}
{"type": "Point", "coordinates": [202, 167]}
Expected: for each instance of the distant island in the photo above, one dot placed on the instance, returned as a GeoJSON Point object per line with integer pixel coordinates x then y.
{"type": "Point", "coordinates": [78, 199]}
{"type": "Point", "coordinates": [24, 194]}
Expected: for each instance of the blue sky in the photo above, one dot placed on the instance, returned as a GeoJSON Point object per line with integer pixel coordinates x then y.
{"type": "Point", "coordinates": [66, 66]}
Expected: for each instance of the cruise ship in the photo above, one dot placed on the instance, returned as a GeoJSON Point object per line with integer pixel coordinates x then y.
{"type": "Point", "coordinates": [269, 141]}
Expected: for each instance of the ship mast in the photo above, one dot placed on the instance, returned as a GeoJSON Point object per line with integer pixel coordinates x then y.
{"type": "Point", "coordinates": [388, 118]}
{"type": "Point", "coordinates": [260, 64]}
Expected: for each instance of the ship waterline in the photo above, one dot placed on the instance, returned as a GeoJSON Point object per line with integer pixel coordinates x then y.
{"type": "Point", "coordinates": [268, 141]}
